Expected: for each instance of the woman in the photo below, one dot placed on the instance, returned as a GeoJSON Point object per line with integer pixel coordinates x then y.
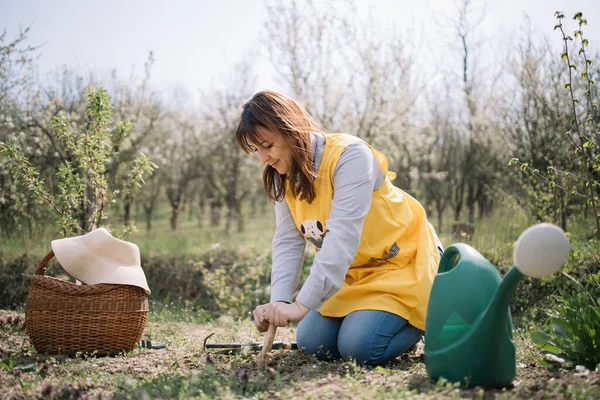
{"type": "Point", "coordinates": [368, 288]}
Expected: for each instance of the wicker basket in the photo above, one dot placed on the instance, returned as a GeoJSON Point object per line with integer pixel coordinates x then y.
{"type": "Point", "coordinates": [64, 318]}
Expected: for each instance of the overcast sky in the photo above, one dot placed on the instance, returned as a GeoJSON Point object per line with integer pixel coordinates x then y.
{"type": "Point", "coordinates": [194, 41]}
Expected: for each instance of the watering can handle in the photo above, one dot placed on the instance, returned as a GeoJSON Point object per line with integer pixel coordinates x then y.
{"type": "Point", "coordinates": [459, 251]}
{"type": "Point", "coordinates": [449, 259]}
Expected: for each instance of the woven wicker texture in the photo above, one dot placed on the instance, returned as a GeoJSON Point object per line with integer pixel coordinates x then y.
{"type": "Point", "coordinates": [64, 318]}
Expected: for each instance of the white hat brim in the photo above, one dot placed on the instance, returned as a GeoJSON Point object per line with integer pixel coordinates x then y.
{"type": "Point", "coordinates": [98, 257]}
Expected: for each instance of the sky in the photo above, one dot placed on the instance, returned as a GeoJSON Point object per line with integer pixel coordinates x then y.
{"type": "Point", "coordinates": [195, 42]}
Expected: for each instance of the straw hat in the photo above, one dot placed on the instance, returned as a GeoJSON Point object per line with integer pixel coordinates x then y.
{"type": "Point", "coordinates": [98, 257]}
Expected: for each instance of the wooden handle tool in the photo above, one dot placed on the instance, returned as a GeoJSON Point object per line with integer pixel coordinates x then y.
{"type": "Point", "coordinates": [263, 357]}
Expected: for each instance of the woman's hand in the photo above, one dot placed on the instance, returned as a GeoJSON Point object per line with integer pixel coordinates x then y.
{"type": "Point", "coordinates": [280, 314]}
{"type": "Point", "coordinates": [260, 317]}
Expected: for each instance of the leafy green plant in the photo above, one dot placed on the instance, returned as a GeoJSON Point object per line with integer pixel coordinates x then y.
{"type": "Point", "coordinates": [562, 189]}
{"type": "Point", "coordinates": [584, 134]}
{"type": "Point", "coordinates": [238, 288]}
{"type": "Point", "coordinates": [83, 191]}
{"type": "Point", "coordinates": [575, 325]}
{"type": "Point", "coordinates": [8, 363]}
{"type": "Point", "coordinates": [575, 314]}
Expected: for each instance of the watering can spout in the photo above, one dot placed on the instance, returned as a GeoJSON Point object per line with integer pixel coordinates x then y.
{"type": "Point", "coordinates": [494, 317]}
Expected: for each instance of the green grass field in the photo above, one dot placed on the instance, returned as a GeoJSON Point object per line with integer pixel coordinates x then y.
{"type": "Point", "coordinates": [185, 370]}
{"type": "Point", "coordinates": [495, 232]}
{"type": "Point", "coordinates": [189, 238]}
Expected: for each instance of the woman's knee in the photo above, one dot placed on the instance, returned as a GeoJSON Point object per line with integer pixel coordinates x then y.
{"type": "Point", "coordinates": [376, 352]}
{"type": "Point", "coordinates": [306, 341]}
{"type": "Point", "coordinates": [362, 353]}
{"type": "Point", "coordinates": [317, 335]}
{"type": "Point", "coordinates": [375, 337]}
{"type": "Point", "coordinates": [361, 345]}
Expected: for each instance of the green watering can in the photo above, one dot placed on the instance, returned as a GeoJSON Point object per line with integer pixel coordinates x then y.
{"type": "Point", "coordinates": [468, 336]}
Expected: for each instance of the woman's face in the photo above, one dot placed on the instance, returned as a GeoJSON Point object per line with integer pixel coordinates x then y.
{"type": "Point", "coordinates": [273, 150]}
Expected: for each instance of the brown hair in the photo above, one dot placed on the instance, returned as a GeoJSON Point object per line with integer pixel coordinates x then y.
{"type": "Point", "coordinates": [279, 113]}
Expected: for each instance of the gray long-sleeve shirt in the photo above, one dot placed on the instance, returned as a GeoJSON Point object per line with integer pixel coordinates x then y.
{"type": "Point", "coordinates": [356, 175]}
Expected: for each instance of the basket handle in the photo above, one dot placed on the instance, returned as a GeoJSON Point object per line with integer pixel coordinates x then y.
{"type": "Point", "coordinates": [41, 267]}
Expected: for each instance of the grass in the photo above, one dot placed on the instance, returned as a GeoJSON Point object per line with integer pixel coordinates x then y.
{"type": "Point", "coordinates": [184, 370]}
{"type": "Point", "coordinates": [494, 235]}
{"type": "Point", "coordinates": [164, 311]}
{"type": "Point", "coordinates": [190, 238]}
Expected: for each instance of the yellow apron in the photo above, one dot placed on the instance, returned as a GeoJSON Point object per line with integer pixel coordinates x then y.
{"type": "Point", "coordinates": [397, 256]}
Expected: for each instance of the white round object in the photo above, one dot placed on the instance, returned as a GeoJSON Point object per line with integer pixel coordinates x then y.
{"type": "Point", "coordinates": [541, 250]}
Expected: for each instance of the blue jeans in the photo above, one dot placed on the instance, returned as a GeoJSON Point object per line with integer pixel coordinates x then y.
{"type": "Point", "coordinates": [370, 337]}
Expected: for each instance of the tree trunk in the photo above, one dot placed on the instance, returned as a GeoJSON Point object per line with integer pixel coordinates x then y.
{"type": "Point", "coordinates": [563, 211]}
{"type": "Point", "coordinates": [82, 215]}
{"type": "Point", "coordinates": [215, 212]}
{"type": "Point", "coordinates": [175, 208]}
{"type": "Point", "coordinates": [241, 223]}
{"type": "Point", "coordinates": [471, 201]}
{"type": "Point", "coordinates": [189, 204]}
{"type": "Point", "coordinates": [458, 196]}
{"type": "Point", "coordinates": [174, 215]}
{"type": "Point", "coordinates": [148, 215]}
{"type": "Point", "coordinates": [230, 216]}
{"type": "Point", "coordinates": [127, 201]}
{"type": "Point", "coordinates": [200, 211]}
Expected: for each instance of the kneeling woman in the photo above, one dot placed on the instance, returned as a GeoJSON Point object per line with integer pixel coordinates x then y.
{"type": "Point", "coordinates": [367, 292]}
